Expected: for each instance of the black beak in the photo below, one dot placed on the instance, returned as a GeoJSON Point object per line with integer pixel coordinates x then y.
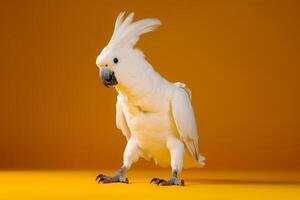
{"type": "Point", "coordinates": [108, 77]}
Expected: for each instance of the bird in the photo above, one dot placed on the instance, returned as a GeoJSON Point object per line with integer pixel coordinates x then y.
{"type": "Point", "coordinates": [155, 115]}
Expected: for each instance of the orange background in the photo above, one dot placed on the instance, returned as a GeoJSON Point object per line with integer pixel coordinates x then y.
{"type": "Point", "coordinates": [239, 58]}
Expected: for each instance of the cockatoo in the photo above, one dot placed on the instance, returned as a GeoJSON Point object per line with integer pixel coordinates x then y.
{"type": "Point", "coordinates": [155, 115]}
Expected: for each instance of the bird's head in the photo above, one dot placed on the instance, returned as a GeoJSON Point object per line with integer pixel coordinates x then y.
{"type": "Point", "coordinates": [119, 62]}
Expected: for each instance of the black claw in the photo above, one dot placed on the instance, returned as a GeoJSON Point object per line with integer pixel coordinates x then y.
{"type": "Point", "coordinates": [101, 179]}
{"type": "Point", "coordinates": [154, 179]}
{"type": "Point", "coordinates": [99, 176]}
{"type": "Point", "coordinates": [160, 181]}
{"type": "Point", "coordinates": [157, 181]}
{"type": "Point", "coordinates": [126, 181]}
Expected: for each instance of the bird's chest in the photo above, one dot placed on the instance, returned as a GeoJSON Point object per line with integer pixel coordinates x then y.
{"type": "Point", "coordinates": [147, 119]}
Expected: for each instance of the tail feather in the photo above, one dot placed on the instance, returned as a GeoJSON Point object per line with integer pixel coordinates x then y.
{"type": "Point", "coordinates": [201, 160]}
{"type": "Point", "coordinates": [193, 149]}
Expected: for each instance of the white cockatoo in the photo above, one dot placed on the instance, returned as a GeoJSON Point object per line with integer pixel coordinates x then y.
{"type": "Point", "coordinates": [155, 115]}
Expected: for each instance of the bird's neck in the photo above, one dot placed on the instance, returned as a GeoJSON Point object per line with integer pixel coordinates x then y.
{"type": "Point", "coordinates": [145, 86]}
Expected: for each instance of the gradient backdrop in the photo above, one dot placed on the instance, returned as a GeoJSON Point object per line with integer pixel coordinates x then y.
{"type": "Point", "coordinates": [239, 58]}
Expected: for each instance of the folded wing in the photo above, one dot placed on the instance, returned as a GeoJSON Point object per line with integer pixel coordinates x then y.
{"type": "Point", "coordinates": [184, 118]}
{"type": "Point", "coordinates": [121, 120]}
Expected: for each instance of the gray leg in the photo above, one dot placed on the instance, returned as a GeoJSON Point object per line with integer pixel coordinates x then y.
{"type": "Point", "coordinates": [172, 181]}
{"type": "Point", "coordinates": [118, 177]}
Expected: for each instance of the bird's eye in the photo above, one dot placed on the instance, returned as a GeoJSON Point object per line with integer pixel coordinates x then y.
{"type": "Point", "coordinates": [116, 60]}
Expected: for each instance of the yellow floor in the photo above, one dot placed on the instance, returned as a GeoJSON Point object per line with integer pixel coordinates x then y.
{"type": "Point", "coordinates": [200, 184]}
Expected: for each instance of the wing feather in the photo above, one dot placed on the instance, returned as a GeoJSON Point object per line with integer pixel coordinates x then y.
{"type": "Point", "coordinates": [121, 120]}
{"type": "Point", "coordinates": [184, 118]}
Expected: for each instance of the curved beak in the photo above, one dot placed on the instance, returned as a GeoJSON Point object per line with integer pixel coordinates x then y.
{"type": "Point", "coordinates": [108, 77]}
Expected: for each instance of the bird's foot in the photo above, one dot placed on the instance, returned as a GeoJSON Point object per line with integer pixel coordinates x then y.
{"type": "Point", "coordinates": [111, 179]}
{"type": "Point", "coordinates": [171, 181]}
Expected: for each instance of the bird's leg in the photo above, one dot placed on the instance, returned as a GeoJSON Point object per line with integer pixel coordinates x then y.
{"type": "Point", "coordinates": [118, 177]}
{"type": "Point", "coordinates": [172, 181]}
{"type": "Point", "coordinates": [131, 155]}
{"type": "Point", "coordinates": [176, 148]}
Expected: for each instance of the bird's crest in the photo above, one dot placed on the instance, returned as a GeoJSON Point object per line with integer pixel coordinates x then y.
{"type": "Point", "coordinates": [127, 32]}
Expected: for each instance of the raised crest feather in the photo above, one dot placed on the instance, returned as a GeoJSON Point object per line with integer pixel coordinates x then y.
{"type": "Point", "coordinates": [126, 32]}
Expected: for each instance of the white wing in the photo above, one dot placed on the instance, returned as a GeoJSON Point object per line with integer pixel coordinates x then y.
{"type": "Point", "coordinates": [184, 118]}
{"type": "Point", "coordinates": [121, 120]}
